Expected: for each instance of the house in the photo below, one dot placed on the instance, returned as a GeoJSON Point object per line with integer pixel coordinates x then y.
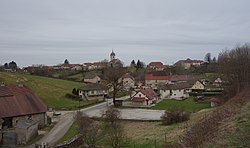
{"type": "Point", "coordinates": [76, 67]}
{"type": "Point", "coordinates": [178, 91]}
{"type": "Point", "coordinates": [156, 66]}
{"type": "Point", "coordinates": [26, 130]}
{"type": "Point", "coordinates": [145, 97]}
{"type": "Point", "coordinates": [206, 89]}
{"type": "Point", "coordinates": [89, 66]}
{"type": "Point", "coordinates": [188, 63]}
{"type": "Point", "coordinates": [217, 82]}
{"type": "Point", "coordinates": [93, 90]}
{"type": "Point", "coordinates": [155, 78]}
{"type": "Point", "coordinates": [100, 65]}
{"type": "Point", "coordinates": [198, 86]}
{"type": "Point", "coordinates": [91, 78]}
{"type": "Point", "coordinates": [17, 105]}
{"type": "Point", "coordinates": [178, 78]}
{"type": "Point", "coordinates": [128, 81]}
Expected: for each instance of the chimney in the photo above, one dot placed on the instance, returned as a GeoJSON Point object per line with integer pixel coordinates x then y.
{"type": "Point", "coordinates": [2, 84]}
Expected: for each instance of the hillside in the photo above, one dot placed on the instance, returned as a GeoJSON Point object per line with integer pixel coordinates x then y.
{"type": "Point", "coordinates": [51, 91]}
{"type": "Point", "coordinates": [226, 126]}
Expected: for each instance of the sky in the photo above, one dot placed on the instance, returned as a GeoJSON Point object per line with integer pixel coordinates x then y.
{"type": "Point", "coordinates": [50, 31]}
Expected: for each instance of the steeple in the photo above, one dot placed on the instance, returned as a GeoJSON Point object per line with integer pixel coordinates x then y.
{"type": "Point", "coordinates": [112, 56]}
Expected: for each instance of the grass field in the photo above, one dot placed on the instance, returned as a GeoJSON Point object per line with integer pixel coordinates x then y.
{"type": "Point", "coordinates": [51, 91]}
{"type": "Point", "coordinates": [77, 77]}
{"type": "Point", "coordinates": [146, 134]}
{"type": "Point", "coordinates": [188, 105]}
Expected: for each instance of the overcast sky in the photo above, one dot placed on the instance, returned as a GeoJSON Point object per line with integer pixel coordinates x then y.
{"type": "Point", "coordinates": [49, 31]}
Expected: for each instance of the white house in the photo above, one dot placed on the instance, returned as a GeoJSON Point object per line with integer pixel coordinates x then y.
{"type": "Point", "coordinates": [145, 97]}
{"type": "Point", "coordinates": [77, 67]}
{"type": "Point", "coordinates": [188, 63]}
{"type": "Point", "coordinates": [198, 86]}
{"type": "Point", "coordinates": [127, 81]}
{"type": "Point", "coordinates": [155, 78]}
{"type": "Point", "coordinates": [178, 91]}
{"type": "Point", "coordinates": [156, 66]}
{"type": "Point", "coordinates": [217, 82]}
{"type": "Point", "coordinates": [93, 90]}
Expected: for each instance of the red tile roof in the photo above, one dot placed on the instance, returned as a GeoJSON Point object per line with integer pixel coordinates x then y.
{"type": "Point", "coordinates": [156, 65]}
{"type": "Point", "coordinates": [150, 93]}
{"type": "Point", "coordinates": [189, 61]}
{"type": "Point", "coordinates": [19, 101]}
{"type": "Point", "coordinates": [157, 75]}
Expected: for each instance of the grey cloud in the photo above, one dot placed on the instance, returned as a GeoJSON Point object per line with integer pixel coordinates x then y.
{"type": "Point", "coordinates": [146, 29]}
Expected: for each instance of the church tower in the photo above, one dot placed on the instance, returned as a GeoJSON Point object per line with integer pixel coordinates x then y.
{"type": "Point", "coordinates": [112, 56]}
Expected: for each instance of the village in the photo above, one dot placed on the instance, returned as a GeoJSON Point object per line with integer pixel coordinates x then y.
{"type": "Point", "coordinates": [139, 86]}
{"type": "Point", "coordinates": [124, 74]}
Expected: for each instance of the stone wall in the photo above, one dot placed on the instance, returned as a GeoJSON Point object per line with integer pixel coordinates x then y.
{"type": "Point", "coordinates": [40, 118]}
{"type": "Point", "coordinates": [25, 135]}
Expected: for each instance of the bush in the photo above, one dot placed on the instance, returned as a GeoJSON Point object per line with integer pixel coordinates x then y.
{"type": "Point", "coordinates": [74, 91]}
{"type": "Point", "coordinates": [73, 97]}
{"type": "Point", "coordinates": [174, 115]}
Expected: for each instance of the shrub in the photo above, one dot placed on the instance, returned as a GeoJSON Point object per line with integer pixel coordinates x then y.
{"type": "Point", "coordinates": [174, 115]}
{"type": "Point", "coordinates": [74, 91]}
{"type": "Point", "coordinates": [73, 97]}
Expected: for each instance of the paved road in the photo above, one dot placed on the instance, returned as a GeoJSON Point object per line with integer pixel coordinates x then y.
{"type": "Point", "coordinates": [66, 120]}
{"type": "Point", "coordinates": [63, 125]}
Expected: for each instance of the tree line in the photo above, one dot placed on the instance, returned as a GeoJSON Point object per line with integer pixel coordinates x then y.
{"type": "Point", "coordinates": [234, 66]}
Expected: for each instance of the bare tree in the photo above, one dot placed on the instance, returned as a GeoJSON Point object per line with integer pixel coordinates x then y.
{"type": "Point", "coordinates": [234, 65]}
{"type": "Point", "coordinates": [113, 127]}
{"type": "Point", "coordinates": [89, 129]}
{"type": "Point", "coordinates": [113, 75]}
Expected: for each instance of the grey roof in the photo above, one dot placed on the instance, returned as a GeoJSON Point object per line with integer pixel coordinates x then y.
{"type": "Point", "coordinates": [175, 86]}
{"type": "Point", "coordinates": [24, 124]}
{"type": "Point", "coordinates": [90, 76]}
{"type": "Point", "coordinates": [94, 86]}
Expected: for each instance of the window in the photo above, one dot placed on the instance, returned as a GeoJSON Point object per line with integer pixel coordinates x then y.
{"type": "Point", "coordinates": [139, 95]}
{"type": "Point", "coordinates": [29, 116]}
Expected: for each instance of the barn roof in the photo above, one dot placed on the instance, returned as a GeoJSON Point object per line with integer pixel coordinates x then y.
{"type": "Point", "coordinates": [176, 86]}
{"type": "Point", "coordinates": [19, 101]}
{"type": "Point", "coordinates": [150, 93]}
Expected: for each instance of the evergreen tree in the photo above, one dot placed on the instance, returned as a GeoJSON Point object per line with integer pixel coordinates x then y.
{"type": "Point", "coordinates": [214, 60]}
{"type": "Point", "coordinates": [6, 65]}
{"type": "Point", "coordinates": [12, 65]}
{"type": "Point", "coordinates": [66, 61]}
{"type": "Point", "coordinates": [138, 65]}
{"type": "Point", "coordinates": [133, 63]}
{"type": "Point", "coordinates": [208, 57]}
{"type": "Point", "coordinates": [132, 67]}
